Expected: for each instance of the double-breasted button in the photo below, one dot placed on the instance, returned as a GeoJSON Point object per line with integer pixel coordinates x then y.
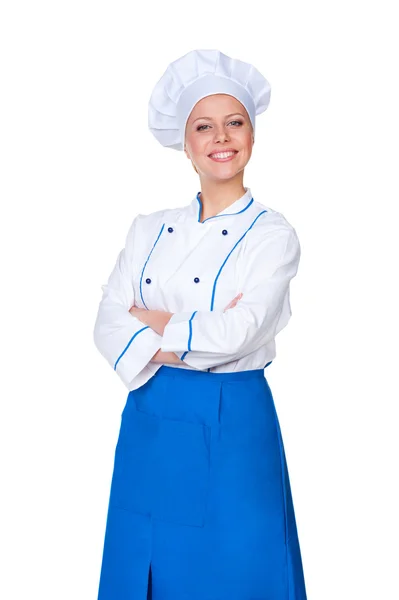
{"type": "Point", "coordinates": [148, 280]}
{"type": "Point", "coordinates": [225, 232]}
{"type": "Point", "coordinates": [196, 279]}
{"type": "Point", "coordinates": [170, 229]}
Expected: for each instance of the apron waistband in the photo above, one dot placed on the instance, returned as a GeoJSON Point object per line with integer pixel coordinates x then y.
{"type": "Point", "coordinates": [177, 372]}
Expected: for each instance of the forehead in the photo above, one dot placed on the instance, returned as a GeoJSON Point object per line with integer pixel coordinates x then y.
{"type": "Point", "coordinates": [216, 105]}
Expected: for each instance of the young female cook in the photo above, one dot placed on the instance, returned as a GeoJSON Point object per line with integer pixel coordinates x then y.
{"type": "Point", "coordinates": [200, 504]}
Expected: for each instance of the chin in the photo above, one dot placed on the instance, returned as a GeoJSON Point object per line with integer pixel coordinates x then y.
{"type": "Point", "coordinates": [224, 169]}
{"type": "Point", "coordinates": [222, 176]}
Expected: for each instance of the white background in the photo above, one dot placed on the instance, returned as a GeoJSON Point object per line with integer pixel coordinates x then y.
{"type": "Point", "coordinates": [78, 163]}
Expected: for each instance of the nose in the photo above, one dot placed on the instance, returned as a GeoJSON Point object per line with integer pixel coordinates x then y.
{"type": "Point", "coordinates": [221, 134]}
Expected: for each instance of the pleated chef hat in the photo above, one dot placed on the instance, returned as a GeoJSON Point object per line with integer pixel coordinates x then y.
{"type": "Point", "coordinates": [197, 74]}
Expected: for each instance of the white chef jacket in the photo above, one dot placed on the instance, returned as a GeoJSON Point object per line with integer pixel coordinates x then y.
{"type": "Point", "coordinates": [174, 262]}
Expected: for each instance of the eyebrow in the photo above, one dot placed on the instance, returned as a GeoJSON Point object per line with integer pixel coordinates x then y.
{"type": "Point", "coordinates": [227, 116]}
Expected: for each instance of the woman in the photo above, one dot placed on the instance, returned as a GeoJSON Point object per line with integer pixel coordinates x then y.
{"type": "Point", "coordinates": [200, 505]}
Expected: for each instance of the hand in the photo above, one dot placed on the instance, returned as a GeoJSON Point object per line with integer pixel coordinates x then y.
{"type": "Point", "coordinates": [135, 311]}
{"type": "Point", "coordinates": [156, 319]}
{"type": "Point", "coordinates": [234, 301]}
{"type": "Point", "coordinates": [166, 358]}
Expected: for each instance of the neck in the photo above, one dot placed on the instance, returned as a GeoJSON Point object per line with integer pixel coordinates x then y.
{"type": "Point", "coordinates": [218, 195]}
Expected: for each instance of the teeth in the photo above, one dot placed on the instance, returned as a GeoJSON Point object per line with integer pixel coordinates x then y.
{"type": "Point", "coordinates": [222, 154]}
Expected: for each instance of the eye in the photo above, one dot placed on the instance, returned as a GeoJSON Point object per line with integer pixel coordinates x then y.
{"type": "Point", "coordinates": [200, 128]}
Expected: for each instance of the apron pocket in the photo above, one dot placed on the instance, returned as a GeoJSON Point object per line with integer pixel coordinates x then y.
{"type": "Point", "coordinates": [161, 467]}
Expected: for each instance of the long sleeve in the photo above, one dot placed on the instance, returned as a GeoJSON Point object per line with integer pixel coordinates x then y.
{"type": "Point", "coordinates": [125, 342]}
{"type": "Point", "coordinates": [205, 339]}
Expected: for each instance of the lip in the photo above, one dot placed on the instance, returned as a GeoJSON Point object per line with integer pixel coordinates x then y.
{"type": "Point", "coordinates": [224, 150]}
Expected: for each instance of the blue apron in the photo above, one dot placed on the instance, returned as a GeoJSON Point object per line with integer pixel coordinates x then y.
{"type": "Point", "coordinates": [200, 505]}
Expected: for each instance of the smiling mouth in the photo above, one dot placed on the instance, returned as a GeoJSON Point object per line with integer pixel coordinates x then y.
{"type": "Point", "coordinates": [223, 156]}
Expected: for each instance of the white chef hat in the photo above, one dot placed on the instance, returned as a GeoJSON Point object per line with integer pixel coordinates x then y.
{"type": "Point", "coordinates": [197, 74]}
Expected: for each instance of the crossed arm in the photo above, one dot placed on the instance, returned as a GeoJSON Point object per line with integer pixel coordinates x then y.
{"type": "Point", "coordinates": [157, 320]}
{"type": "Point", "coordinates": [130, 337]}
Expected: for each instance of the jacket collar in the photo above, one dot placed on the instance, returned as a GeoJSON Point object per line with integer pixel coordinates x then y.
{"type": "Point", "coordinates": [237, 207]}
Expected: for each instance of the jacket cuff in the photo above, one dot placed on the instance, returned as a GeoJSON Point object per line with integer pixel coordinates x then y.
{"type": "Point", "coordinates": [137, 354]}
{"type": "Point", "coordinates": [177, 332]}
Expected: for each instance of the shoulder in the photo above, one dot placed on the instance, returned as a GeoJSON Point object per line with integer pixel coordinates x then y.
{"type": "Point", "coordinates": [148, 224]}
{"type": "Point", "coordinates": [271, 240]}
{"type": "Point", "coordinates": [157, 217]}
{"type": "Point", "coordinates": [271, 218]}
{"type": "Point", "coordinates": [270, 247]}
{"type": "Point", "coordinates": [145, 229]}
{"type": "Point", "coordinates": [271, 224]}
{"type": "Point", "coordinates": [164, 215]}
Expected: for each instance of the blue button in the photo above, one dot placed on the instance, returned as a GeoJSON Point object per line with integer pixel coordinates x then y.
{"type": "Point", "coordinates": [196, 279]}
{"type": "Point", "coordinates": [148, 280]}
{"type": "Point", "coordinates": [224, 231]}
{"type": "Point", "coordinates": [170, 229]}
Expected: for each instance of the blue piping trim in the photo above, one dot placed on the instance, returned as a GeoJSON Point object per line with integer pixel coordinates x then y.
{"type": "Point", "coordinates": [216, 216]}
{"type": "Point", "coordinates": [190, 334]}
{"type": "Point", "coordinates": [142, 272]}
{"type": "Point", "coordinates": [137, 332]}
{"type": "Point", "coordinates": [190, 330]}
{"type": "Point", "coordinates": [220, 270]}
{"type": "Point", "coordinates": [227, 257]}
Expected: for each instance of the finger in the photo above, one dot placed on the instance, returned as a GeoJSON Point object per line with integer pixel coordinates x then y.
{"type": "Point", "coordinates": [230, 305]}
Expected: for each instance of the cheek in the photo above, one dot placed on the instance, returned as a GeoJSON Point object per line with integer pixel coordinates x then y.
{"type": "Point", "coordinates": [247, 144]}
{"type": "Point", "coordinates": [198, 147]}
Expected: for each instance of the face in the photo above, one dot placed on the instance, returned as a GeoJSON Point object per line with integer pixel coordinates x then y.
{"type": "Point", "coordinates": [219, 123]}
